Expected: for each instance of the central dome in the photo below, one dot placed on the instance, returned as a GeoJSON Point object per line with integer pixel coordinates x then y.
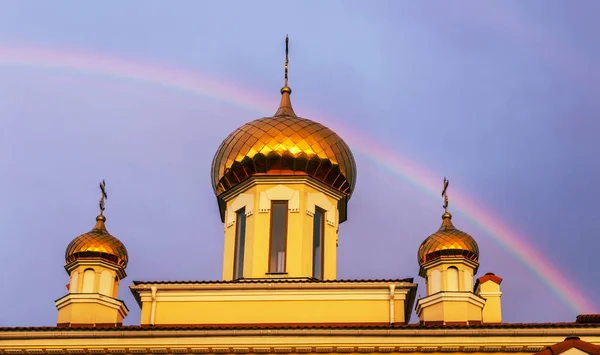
{"type": "Point", "coordinates": [97, 243]}
{"type": "Point", "coordinates": [448, 242]}
{"type": "Point", "coordinates": [284, 144]}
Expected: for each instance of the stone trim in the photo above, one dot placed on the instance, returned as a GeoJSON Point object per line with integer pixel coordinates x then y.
{"type": "Point", "coordinates": [242, 201]}
{"type": "Point", "coordinates": [279, 192]}
{"type": "Point", "coordinates": [318, 199]}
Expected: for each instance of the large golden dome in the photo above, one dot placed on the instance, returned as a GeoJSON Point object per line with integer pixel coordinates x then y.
{"type": "Point", "coordinates": [97, 243]}
{"type": "Point", "coordinates": [284, 144]}
{"type": "Point", "coordinates": [448, 242]}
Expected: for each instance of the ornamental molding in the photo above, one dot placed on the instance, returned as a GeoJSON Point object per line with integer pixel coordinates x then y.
{"type": "Point", "coordinates": [533, 348]}
{"type": "Point", "coordinates": [279, 193]}
{"type": "Point", "coordinates": [96, 298]}
{"type": "Point", "coordinates": [318, 199]}
{"type": "Point", "coordinates": [286, 180]}
{"type": "Point", "coordinates": [449, 296]}
{"type": "Point", "coordinates": [242, 201]}
{"type": "Point", "coordinates": [349, 294]}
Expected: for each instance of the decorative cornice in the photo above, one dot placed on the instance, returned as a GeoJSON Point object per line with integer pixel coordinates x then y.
{"type": "Point", "coordinates": [93, 298]}
{"type": "Point", "coordinates": [275, 350]}
{"type": "Point", "coordinates": [449, 296]}
{"type": "Point", "coordinates": [96, 262]}
{"type": "Point", "coordinates": [266, 295]}
{"type": "Point", "coordinates": [281, 179]}
{"type": "Point", "coordinates": [289, 285]}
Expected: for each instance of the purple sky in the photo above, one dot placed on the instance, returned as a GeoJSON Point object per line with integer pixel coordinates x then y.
{"type": "Point", "coordinates": [500, 97]}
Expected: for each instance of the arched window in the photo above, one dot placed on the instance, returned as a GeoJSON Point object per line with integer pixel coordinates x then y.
{"type": "Point", "coordinates": [452, 278]}
{"type": "Point", "coordinates": [89, 276]}
{"type": "Point", "coordinates": [106, 283]}
{"type": "Point", "coordinates": [318, 243]}
{"type": "Point", "coordinates": [468, 279]}
{"type": "Point", "coordinates": [435, 284]}
{"type": "Point", "coordinates": [240, 244]}
{"type": "Point", "coordinates": [279, 210]}
{"type": "Point", "coordinates": [74, 282]}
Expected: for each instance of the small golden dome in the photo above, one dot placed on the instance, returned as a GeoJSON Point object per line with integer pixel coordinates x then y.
{"type": "Point", "coordinates": [448, 242]}
{"type": "Point", "coordinates": [97, 243]}
{"type": "Point", "coordinates": [281, 145]}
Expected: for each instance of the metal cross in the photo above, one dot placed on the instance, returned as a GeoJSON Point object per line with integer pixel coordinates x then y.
{"type": "Point", "coordinates": [104, 196]}
{"type": "Point", "coordinates": [445, 195]}
{"type": "Point", "coordinates": [286, 60]}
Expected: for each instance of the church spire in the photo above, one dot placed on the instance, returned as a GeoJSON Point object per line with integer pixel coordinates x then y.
{"type": "Point", "coordinates": [285, 106]}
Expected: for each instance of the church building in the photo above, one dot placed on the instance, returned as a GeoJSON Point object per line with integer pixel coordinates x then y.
{"type": "Point", "coordinates": [283, 185]}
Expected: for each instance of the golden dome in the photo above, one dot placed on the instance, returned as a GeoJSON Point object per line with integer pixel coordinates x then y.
{"type": "Point", "coordinates": [281, 145]}
{"type": "Point", "coordinates": [448, 242]}
{"type": "Point", "coordinates": [97, 243]}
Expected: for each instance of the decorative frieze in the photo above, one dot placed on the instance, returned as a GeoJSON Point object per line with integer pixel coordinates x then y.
{"type": "Point", "coordinates": [278, 350]}
{"type": "Point", "coordinates": [492, 349]}
{"type": "Point", "coordinates": [429, 349]}
{"type": "Point", "coordinates": [450, 349]}
{"type": "Point", "coordinates": [513, 348]}
{"type": "Point", "coordinates": [534, 348]}
{"type": "Point", "coordinates": [470, 349]}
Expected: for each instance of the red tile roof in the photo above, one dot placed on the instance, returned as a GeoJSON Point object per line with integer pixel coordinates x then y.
{"type": "Point", "coordinates": [588, 318]}
{"type": "Point", "coordinates": [333, 326]}
{"type": "Point", "coordinates": [489, 277]}
{"type": "Point", "coordinates": [570, 343]}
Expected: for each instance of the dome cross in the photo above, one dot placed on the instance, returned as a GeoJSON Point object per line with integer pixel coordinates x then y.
{"type": "Point", "coordinates": [285, 82]}
{"type": "Point", "coordinates": [445, 195]}
{"type": "Point", "coordinates": [103, 197]}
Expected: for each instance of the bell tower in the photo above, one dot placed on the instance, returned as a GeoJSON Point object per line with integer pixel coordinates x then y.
{"type": "Point", "coordinates": [282, 184]}
{"type": "Point", "coordinates": [448, 260]}
{"type": "Point", "coordinates": [95, 262]}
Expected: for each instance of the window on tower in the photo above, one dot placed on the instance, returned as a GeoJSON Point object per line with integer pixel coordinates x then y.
{"type": "Point", "coordinates": [452, 278]}
{"type": "Point", "coordinates": [318, 242]}
{"type": "Point", "coordinates": [278, 236]}
{"type": "Point", "coordinates": [240, 243]}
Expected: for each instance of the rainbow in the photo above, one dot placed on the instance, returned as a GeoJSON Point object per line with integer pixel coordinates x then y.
{"type": "Point", "coordinates": [515, 243]}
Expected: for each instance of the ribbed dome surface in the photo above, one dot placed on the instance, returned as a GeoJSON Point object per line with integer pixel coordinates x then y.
{"type": "Point", "coordinates": [282, 145]}
{"type": "Point", "coordinates": [97, 243]}
{"type": "Point", "coordinates": [448, 242]}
